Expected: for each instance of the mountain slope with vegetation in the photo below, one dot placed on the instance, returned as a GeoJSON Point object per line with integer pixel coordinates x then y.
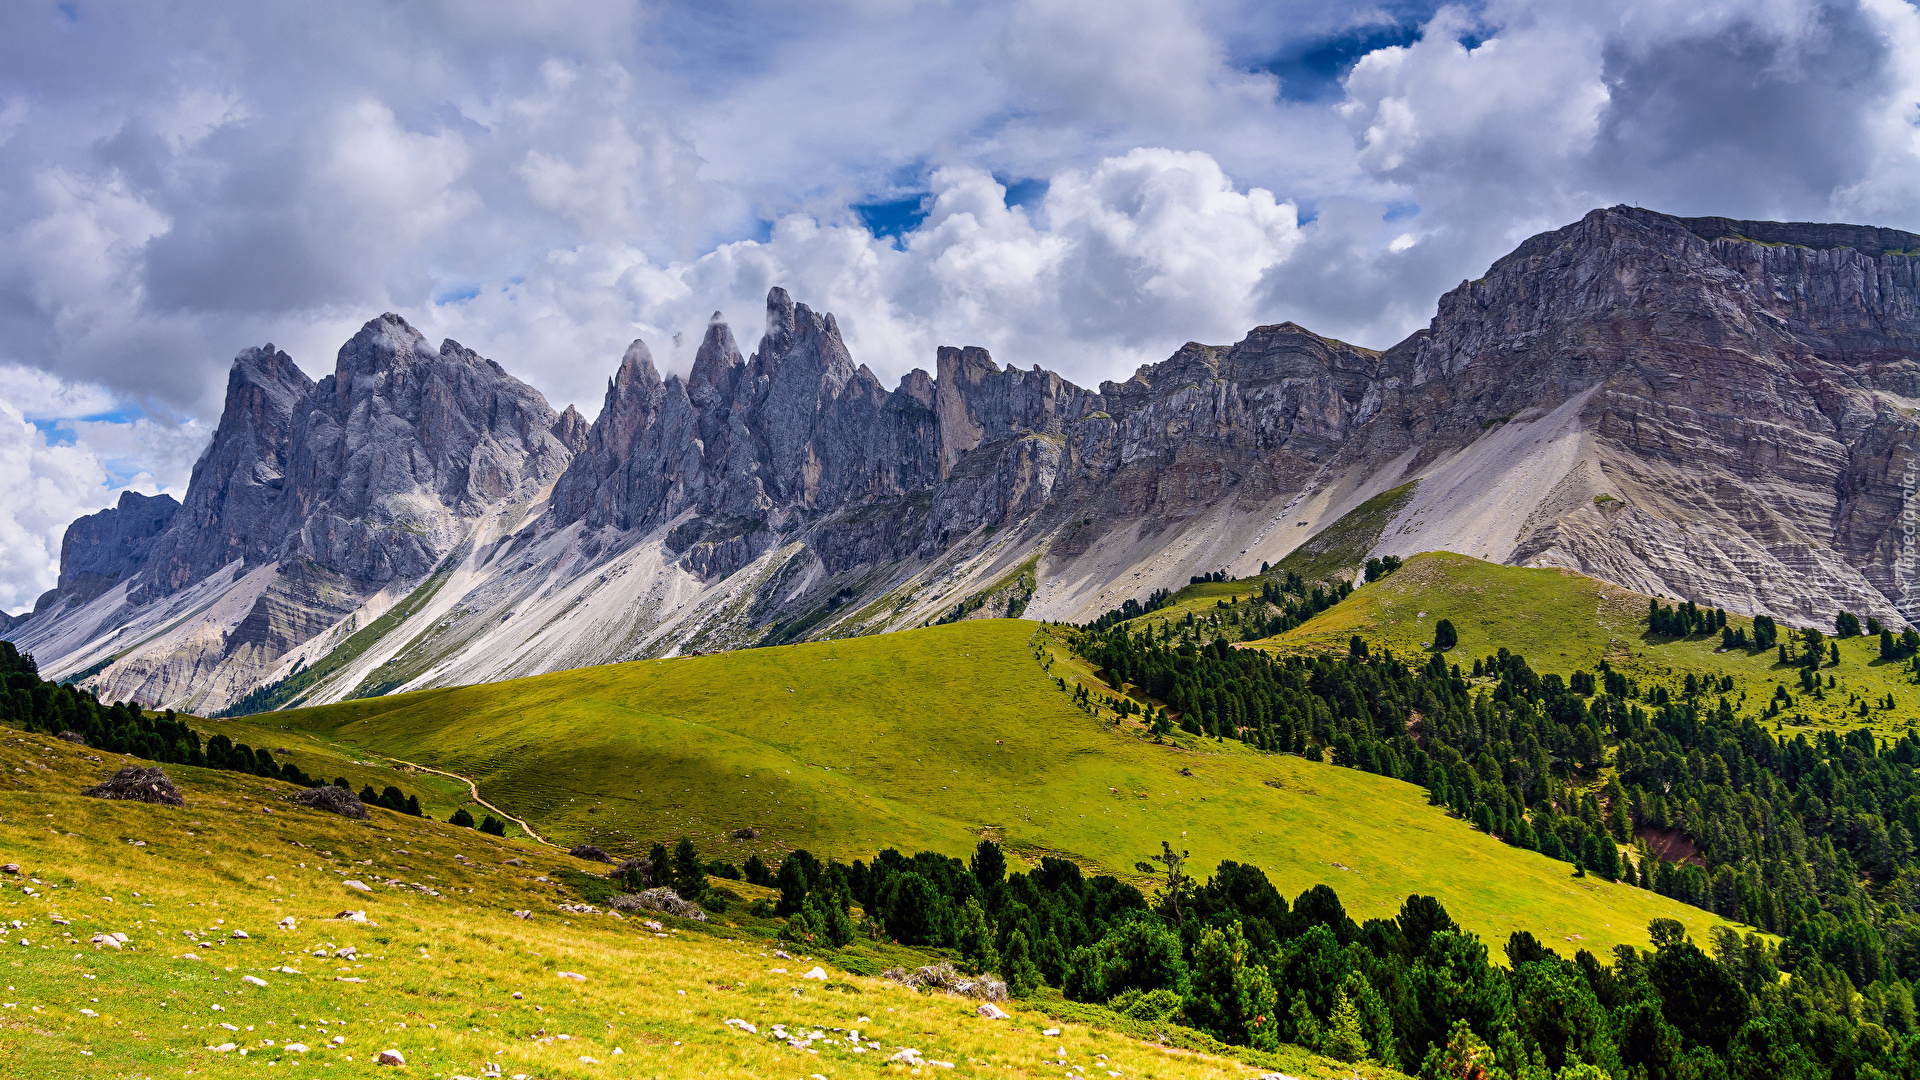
{"type": "Point", "coordinates": [933, 739]}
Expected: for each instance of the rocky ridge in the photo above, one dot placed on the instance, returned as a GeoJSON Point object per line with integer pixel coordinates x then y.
{"type": "Point", "coordinates": [1716, 410]}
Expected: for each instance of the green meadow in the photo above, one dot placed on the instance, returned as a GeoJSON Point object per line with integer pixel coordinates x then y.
{"type": "Point", "coordinates": [465, 963]}
{"type": "Point", "coordinates": [932, 739]}
{"type": "Point", "coordinates": [1563, 622]}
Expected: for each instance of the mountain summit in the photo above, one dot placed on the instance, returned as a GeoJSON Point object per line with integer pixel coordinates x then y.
{"type": "Point", "coordinates": [1708, 409]}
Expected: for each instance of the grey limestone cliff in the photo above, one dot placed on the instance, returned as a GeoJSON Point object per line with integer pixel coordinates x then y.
{"type": "Point", "coordinates": [1700, 408]}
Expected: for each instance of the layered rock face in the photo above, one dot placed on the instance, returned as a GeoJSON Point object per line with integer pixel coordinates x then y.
{"type": "Point", "coordinates": [1748, 402]}
{"type": "Point", "coordinates": [1713, 410]}
{"type": "Point", "coordinates": [311, 498]}
{"type": "Point", "coordinates": [752, 446]}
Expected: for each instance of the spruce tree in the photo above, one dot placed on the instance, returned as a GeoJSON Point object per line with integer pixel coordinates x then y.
{"type": "Point", "coordinates": [461, 818]}
{"type": "Point", "coordinates": [757, 872]}
{"type": "Point", "coordinates": [689, 875]}
{"type": "Point", "coordinates": [1444, 635]}
{"type": "Point", "coordinates": [1017, 966]}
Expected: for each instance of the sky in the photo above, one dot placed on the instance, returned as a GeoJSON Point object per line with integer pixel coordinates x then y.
{"type": "Point", "coordinates": [1079, 184]}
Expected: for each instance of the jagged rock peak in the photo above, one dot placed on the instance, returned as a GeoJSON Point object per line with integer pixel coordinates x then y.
{"type": "Point", "coordinates": [571, 429]}
{"type": "Point", "coordinates": [382, 345]}
{"type": "Point", "coordinates": [715, 365]}
{"type": "Point", "coordinates": [797, 332]}
{"type": "Point", "coordinates": [636, 369]}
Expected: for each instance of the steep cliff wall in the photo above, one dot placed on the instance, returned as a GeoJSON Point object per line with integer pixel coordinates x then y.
{"type": "Point", "coordinates": [1709, 409]}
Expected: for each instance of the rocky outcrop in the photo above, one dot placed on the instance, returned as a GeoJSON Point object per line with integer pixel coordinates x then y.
{"type": "Point", "coordinates": [755, 446]}
{"type": "Point", "coordinates": [311, 499]}
{"type": "Point", "coordinates": [101, 549]}
{"type": "Point", "coordinates": [1716, 410]}
{"type": "Point", "coordinates": [1748, 402]}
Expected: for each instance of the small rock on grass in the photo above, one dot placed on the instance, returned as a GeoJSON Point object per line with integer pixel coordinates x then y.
{"type": "Point", "coordinates": [253, 980]}
{"type": "Point", "coordinates": [359, 886]}
{"type": "Point", "coordinates": [817, 973]}
{"type": "Point", "coordinates": [573, 975]}
{"type": "Point", "coordinates": [390, 1057]}
{"type": "Point", "coordinates": [992, 1011]}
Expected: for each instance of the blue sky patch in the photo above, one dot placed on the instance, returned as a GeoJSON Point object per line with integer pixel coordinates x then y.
{"type": "Point", "coordinates": [1023, 191]}
{"type": "Point", "coordinates": [893, 218]}
{"type": "Point", "coordinates": [1311, 70]}
{"type": "Point", "coordinates": [454, 294]}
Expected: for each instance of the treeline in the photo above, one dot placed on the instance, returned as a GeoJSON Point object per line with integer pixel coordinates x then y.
{"type": "Point", "coordinates": [1280, 604]}
{"type": "Point", "coordinates": [1232, 957]}
{"type": "Point", "coordinates": [35, 704]}
{"type": "Point", "coordinates": [1811, 838]}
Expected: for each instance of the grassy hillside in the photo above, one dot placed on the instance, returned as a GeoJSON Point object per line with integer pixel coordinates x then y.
{"type": "Point", "coordinates": [442, 970]}
{"type": "Point", "coordinates": [1563, 622]}
{"type": "Point", "coordinates": [932, 739]}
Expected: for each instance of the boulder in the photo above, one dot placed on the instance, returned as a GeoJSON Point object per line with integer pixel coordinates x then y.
{"type": "Point", "coordinates": [390, 1057]}
{"type": "Point", "coordinates": [590, 853]}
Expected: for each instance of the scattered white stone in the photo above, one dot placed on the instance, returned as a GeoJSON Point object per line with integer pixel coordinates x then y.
{"type": "Point", "coordinates": [295, 1048]}
{"type": "Point", "coordinates": [992, 1011]}
{"type": "Point", "coordinates": [817, 973]}
{"type": "Point", "coordinates": [221, 1049]}
{"type": "Point", "coordinates": [516, 995]}
{"type": "Point", "coordinates": [736, 1022]}
{"type": "Point", "coordinates": [287, 970]}
{"type": "Point", "coordinates": [105, 939]}
{"type": "Point", "coordinates": [389, 1057]}
{"type": "Point", "coordinates": [240, 935]}
{"type": "Point", "coordinates": [350, 916]}
{"type": "Point", "coordinates": [287, 923]}
{"type": "Point", "coordinates": [339, 1040]}
{"type": "Point", "coordinates": [573, 975]}
{"type": "Point", "coordinates": [229, 1027]}
{"type": "Point", "coordinates": [359, 886]}
{"type": "Point", "coordinates": [907, 1054]}
{"type": "Point", "coordinates": [585, 1060]}
{"type": "Point", "coordinates": [653, 926]}
{"type": "Point", "coordinates": [254, 980]}
{"type": "Point", "coordinates": [343, 978]}
{"type": "Point", "coordinates": [88, 1012]}
{"type": "Point", "coordinates": [183, 956]}
{"type": "Point", "coordinates": [1051, 1032]}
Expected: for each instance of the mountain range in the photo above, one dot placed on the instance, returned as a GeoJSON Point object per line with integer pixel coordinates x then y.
{"type": "Point", "coordinates": [1713, 410]}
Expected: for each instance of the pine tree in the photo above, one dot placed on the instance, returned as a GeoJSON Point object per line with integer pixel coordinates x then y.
{"type": "Point", "coordinates": [1017, 966]}
{"type": "Point", "coordinates": [689, 875]}
{"type": "Point", "coordinates": [1444, 635]}
{"type": "Point", "coordinates": [757, 872]}
{"type": "Point", "coordinates": [1230, 994]}
{"type": "Point", "coordinates": [493, 826]}
{"type": "Point", "coordinates": [1344, 1039]}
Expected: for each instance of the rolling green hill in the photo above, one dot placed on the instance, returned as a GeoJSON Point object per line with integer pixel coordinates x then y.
{"type": "Point", "coordinates": [933, 739]}
{"type": "Point", "coordinates": [1563, 622]}
{"type": "Point", "coordinates": [210, 982]}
